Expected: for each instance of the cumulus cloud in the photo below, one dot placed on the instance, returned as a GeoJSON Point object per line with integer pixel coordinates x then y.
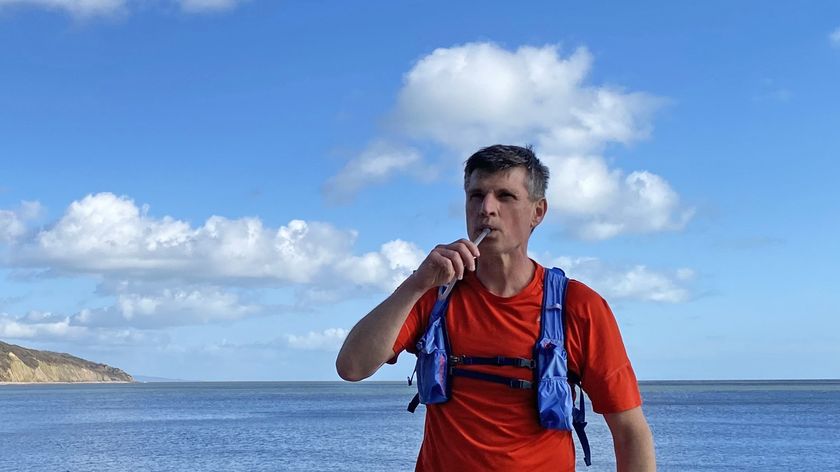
{"type": "Point", "coordinates": [38, 325]}
{"type": "Point", "coordinates": [386, 268]}
{"type": "Point", "coordinates": [834, 37]}
{"type": "Point", "coordinates": [633, 283]}
{"type": "Point", "coordinates": [81, 8]}
{"type": "Point", "coordinates": [93, 8]}
{"type": "Point", "coordinates": [477, 94]}
{"type": "Point", "coordinates": [596, 203]}
{"type": "Point", "coordinates": [326, 340]}
{"type": "Point", "coordinates": [151, 309]}
{"type": "Point", "coordinates": [50, 327]}
{"type": "Point", "coordinates": [138, 306]}
{"type": "Point", "coordinates": [208, 6]}
{"type": "Point", "coordinates": [13, 222]}
{"type": "Point", "coordinates": [110, 235]}
{"type": "Point", "coordinates": [377, 163]}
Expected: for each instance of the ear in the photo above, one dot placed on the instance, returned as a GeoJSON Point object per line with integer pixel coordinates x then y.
{"type": "Point", "coordinates": [540, 208]}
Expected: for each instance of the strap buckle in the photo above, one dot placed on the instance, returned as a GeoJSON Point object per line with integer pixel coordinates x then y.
{"type": "Point", "coordinates": [519, 383]}
{"type": "Point", "coordinates": [527, 363]}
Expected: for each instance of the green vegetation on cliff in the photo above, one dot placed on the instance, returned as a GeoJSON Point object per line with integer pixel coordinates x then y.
{"type": "Point", "coordinates": [19, 364]}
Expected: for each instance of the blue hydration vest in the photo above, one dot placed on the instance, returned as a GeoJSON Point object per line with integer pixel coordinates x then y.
{"type": "Point", "coordinates": [436, 364]}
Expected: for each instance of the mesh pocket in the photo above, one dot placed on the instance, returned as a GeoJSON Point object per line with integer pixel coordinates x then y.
{"type": "Point", "coordinates": [554, 394]}
{"type": "Point", "coordinates": [432, 364]}
{"type": "Point", "coordinates": [554, 400]}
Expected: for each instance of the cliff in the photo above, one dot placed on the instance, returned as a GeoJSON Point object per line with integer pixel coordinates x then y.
{"type": "Point", "coordinates": [18, 364]}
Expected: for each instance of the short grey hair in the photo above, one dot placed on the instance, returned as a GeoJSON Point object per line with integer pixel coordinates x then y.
{"type": "Point", "coordinates": [501, 157]}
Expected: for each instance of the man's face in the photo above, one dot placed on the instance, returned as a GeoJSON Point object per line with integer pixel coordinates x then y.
{"type": "Point", "coordinates": [500, 201]}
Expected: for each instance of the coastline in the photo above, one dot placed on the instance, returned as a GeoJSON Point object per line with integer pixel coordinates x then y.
{"type": "Point", "coordinates": [70, 383]}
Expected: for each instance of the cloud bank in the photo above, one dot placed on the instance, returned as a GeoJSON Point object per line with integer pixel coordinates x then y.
{"type": "Point", "coordinates": [106, 234]}
{"type": "Point", "coordinates": [164, 272]}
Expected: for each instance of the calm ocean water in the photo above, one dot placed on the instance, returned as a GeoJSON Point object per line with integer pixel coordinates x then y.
{"type": "Point", "coordinates": [319, 426]}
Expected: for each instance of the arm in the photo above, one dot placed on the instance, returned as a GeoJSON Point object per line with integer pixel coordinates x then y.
{"type": "Point", "coordinates": [369, 344]}
{"type": "Point", "coordinates": [633, 441]}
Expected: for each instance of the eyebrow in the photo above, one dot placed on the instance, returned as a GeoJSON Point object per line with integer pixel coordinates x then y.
{"type": "Point", "coordinates": [474, 190]}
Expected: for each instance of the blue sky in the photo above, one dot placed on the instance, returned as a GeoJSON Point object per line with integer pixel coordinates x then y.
{"type": "Point", "coordinates": [220, 189]}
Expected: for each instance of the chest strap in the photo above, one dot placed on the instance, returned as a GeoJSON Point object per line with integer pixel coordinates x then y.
{"type": "Point", "coordinates": [497, 360]}
{"type": "Point", "coordinates": [510, 382]}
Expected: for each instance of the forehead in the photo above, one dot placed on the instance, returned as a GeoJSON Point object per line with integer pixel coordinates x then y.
{"type": "Point", "coordinates": [512, 179]}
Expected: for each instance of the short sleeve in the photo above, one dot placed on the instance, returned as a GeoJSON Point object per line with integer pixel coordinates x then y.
{"type": "Point", "coordinates": [597, 353]}
{"type": "Point", "coordinates": [411, 330]}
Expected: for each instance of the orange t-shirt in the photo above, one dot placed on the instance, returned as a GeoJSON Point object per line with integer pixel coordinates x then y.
{"type": "Point", "coordinates": [489, 426]}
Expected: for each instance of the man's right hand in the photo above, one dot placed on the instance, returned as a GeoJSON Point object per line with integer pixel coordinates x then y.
{"type": "Point", "coordinates": [446, 262]}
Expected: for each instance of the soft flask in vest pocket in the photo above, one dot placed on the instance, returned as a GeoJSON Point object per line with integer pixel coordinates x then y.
{"type": "Point", "coordinates": [432, 360]}
{"type": "Point", "coordinates": [554, 394]}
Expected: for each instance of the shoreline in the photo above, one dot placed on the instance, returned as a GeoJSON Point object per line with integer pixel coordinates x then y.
{"type": "Point", "coordinates": [70, 383]}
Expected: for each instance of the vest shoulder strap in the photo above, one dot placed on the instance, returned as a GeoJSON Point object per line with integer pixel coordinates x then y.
{"type": "Point", "coordinates": [554, 298]}
{"type": "Point", "coordinates": [439, 308]}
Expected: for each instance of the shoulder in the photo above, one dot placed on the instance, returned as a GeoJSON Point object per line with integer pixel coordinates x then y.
{"type": "Point", "coordinates": [583, 301]}
{"type": "Point", "coordinates": [586, 309]}
{"type": "Point", "coordinates": [579, 292]}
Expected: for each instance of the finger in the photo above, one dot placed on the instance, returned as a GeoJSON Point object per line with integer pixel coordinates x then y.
{"type": "Point", "coordinates": [467, 255]}
{"type": "Point", "coordinates": [456, 259]}
{"type": "Point", "coordinates": [471, 246]}
{"type": "Point", "coordinates": [443, 268]}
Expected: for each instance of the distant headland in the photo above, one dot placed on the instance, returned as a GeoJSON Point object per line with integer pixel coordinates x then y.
{"type": "Point", "coordinates": [21, 365]}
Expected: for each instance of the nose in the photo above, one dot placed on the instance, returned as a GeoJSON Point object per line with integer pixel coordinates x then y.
{"type": "Point", "coordinates": [489, 205]}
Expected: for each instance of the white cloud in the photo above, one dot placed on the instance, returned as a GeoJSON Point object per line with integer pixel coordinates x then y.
{"type": "Point", "coordinates": [11, 226]}
{"type": "Point", "coordinates": [14, 328]}
{"type": "Point", "coordinates": [82, 8]}
{"type": "Point", "coordinates": [93, 8]}
{"type": "Point", "coordinates": [597, 203]}
{"type": "Point", "coordinates": [205, 6]}
{"type": "Point", "coordinates": [834, 37]}
{"type": "Point", "coordinates": [386, 268]}
{"type": "Point", "coordinates": [380, 161]}
{"type": "Point", "coordinates": [109, 235]}
{"type": "Point", "coordinates": [137, 306]}
{"type": "Point", "coordinates": [13, 222]}
{"type": "Point", "coordinates": [49, 327]}
{"type": "Point", "coordinates": [327, 340]}
{"type": "Point", "coordinates": [477, 94]}
{"type": "Point", "coordinates": [633, 283]}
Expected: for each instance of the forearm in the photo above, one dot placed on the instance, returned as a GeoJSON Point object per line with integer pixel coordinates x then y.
{"type": "Point", "coordinates": [369, 344]}
{"type": "Point", "coordinates": [633, 441]}
{"type": "Point", "coordinates": [634, 453]}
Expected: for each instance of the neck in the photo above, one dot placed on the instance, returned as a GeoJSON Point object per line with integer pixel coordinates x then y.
{"type": "Point", "coordinates": [505, 275]}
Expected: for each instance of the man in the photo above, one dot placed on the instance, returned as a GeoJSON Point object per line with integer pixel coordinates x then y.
{"type": "Point", "coordinates": [495, 310]}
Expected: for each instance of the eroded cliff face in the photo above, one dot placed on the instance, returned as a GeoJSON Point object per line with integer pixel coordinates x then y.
{"type": "Point", "coordinates": [19, 364]}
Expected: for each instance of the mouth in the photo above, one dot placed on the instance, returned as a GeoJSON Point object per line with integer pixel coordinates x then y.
{"type": "Point", "coordinates": [489, 228]}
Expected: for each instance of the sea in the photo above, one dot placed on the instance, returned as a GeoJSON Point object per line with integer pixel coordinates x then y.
{"type": "Point", "coordinates": [364, 427]}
